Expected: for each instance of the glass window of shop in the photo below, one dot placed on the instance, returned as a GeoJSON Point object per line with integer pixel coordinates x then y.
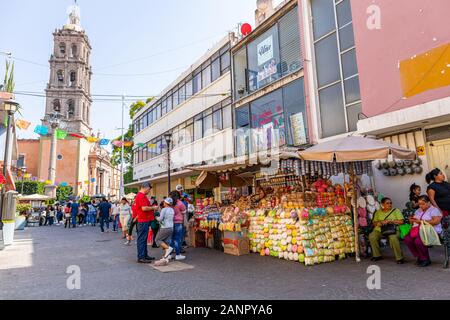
{"type": "Point", "coordinates": [295, 113]}
{"type": "Point", "coordinates": [198, 127]}
{"type": "Point", "coordinates": [336, 66]}
{"type": "Point", "coordinates": [274, 54]}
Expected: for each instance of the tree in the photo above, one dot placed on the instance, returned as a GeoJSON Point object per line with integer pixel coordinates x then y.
{"type": "Point", "coordinates": [8, 82]}
{"type": "Point", "coordinates": [128, 178]}
{"type": "Point", "coordinates": [30, 187]}
{"type": "Point", "coordinates": [63, 193]}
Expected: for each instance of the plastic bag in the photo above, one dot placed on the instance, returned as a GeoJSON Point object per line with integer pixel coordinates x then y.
{"type": "Point", "coordinates": [428, 235]}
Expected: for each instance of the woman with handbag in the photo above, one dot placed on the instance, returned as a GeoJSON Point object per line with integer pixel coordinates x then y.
{"type": "Point", "coordinates": [425, 213]}
{"type": "Point", "coordinates": [386, 221]}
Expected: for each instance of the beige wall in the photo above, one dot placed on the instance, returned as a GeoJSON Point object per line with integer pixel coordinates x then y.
{"type": "Point", "coordinates": [30, 149]}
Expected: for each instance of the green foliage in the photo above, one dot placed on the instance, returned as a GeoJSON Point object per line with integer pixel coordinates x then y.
{"type": "Point", "coordinates": [23, 208]}
{"type": "Point", "coordinates": [85, 199]}
{"type": "Point", "coordinates": [8, 82]}
{"type": "Point", "coordinates": [30, 187]}
{"type": "Point", "coordinates": [136, 106]}
{"type": "Point", "coordinates": [127, 178]}
{"type": "Point", "coordinates": [63, 193]}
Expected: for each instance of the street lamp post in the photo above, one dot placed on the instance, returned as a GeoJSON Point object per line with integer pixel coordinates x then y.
{"type": "Point", "coordinates": [122, 191]}
{"type": "Point", "coordinates": [24, 171]}
{"type": "Point", "coordinates": [168, 138]}
{"type": "Point", "coordinates": [10, 106]}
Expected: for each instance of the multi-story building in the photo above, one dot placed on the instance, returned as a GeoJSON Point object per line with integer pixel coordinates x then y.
{"type": "Point", "coordinates": [195, 110]}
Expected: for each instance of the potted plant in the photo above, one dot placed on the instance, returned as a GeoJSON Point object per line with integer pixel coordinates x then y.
{"type": "Point", "coordinates": [21, 215]}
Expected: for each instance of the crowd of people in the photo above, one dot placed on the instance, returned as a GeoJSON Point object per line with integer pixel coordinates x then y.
{"type": "Point", "coordinates": [429, 208]}
{"type": "Point", "coordinates": [167, 221]}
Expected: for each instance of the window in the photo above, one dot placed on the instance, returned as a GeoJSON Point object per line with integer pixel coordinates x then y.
{"type": "Point", "coordinates": [73, 51]}
{"type": "Point", "coordinates": [295, 113]}
{"type": "Point", "coordinates": [21, 161]}
{"type": "Point", "coordinates": [336, 56]}
{"type": "Point", "coordinates": [60, 76]}
{"type": "Point", "coordinates": [145, 120]}
{"type": "Point", "coordinates": [73, 77]}
{"type": "Point", "coordinates": [175, 99]}
{"type": "Point", "coordinates": [327, 61]}
{"type": "Point", "coordinates": [169, 102]}
{"type": "Point", "coordinates": [242, 132]}
{"type": "Point", "coordinates": [182, 94]}
{"type": "Point", "coordinates": [70, 109]}
{"type": "Point", "coordinates": [197, 83]}
{"type": "Point", "coordinates": [240, 73]}
{"type": "Point", "coordinates": [227, 120]}
{"type": "Point", "coordinates": [198, 127]}
{"type": "Point", "coordinates": [290, 50]}
{"type": "Point", "coordinates": [188, 89]}
{"type": "Point", "coordinates": [215, 69]}
{"type": "Point", "coordinates": [331, 110]}
{"type": "Point", "coordinates": [207, 125]}
{"type": "Point", "coordinates": [206, 76]}
{"type": "Point", "coordinates": [189, 132]}
{"type": "Point", "coordinates": [264, 60]}
{"type": "Point", "coordinates": [225, 62]}
{"type": "Point", "coordinates": [217, 120]}
{"type": "Point", "coordinates": [62, 49]}
{"type": "Point", "coordinates": [56, 105]}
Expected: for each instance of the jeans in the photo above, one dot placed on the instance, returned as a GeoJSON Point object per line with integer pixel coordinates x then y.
{"type": "Point", "coordinates": [74, 220]}
{"type": "Point", "coordinates": [142, 232]}
{"type": "Point", "coordinates": [92, 218]}
{"type": "Point", "coordinates": [103, 220]}
{"type": "Point", "coordinates": [115, 222]}
{"type": "Point", "coordinates": [177, 238]}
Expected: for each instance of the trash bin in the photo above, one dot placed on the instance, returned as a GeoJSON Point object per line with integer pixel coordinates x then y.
{"type": "Point", "coordinates": [8, 232]}
{"type": "Point", "coordinates": [8, 216]}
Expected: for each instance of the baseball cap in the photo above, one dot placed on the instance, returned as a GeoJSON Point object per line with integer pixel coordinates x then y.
{"type": "Point", "coordinates": [169, 201]}
{"type": "Point", "coordinates": [179, 187]}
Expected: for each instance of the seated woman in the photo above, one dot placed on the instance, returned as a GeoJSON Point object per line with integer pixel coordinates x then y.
{"type": "Point", "coordinates": [433, 216]}
{"type": "Point", "coordinates": [384, 216]}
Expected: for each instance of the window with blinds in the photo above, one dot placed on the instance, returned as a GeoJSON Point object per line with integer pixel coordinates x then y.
{"type": "Point", "coordinates": [290, 50]}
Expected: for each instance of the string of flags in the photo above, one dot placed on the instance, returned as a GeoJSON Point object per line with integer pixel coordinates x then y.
{"type": "Point", "coordinates": [43, 130]}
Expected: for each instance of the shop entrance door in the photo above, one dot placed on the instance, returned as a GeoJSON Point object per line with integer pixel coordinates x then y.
{"type": "Point", "coordinates": [439, 156]}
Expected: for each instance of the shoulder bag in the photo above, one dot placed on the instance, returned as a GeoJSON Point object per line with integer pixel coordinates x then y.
{"type": "Point", "coordinates": [388, 229]}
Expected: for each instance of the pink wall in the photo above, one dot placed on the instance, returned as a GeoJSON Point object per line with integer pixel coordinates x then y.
{"type": "Point", "coordinates": [408, 27]}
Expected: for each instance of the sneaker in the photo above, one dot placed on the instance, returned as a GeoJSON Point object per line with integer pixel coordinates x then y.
{"type": "Point", "coordinates": [425, 263]}
{"type": "Point", "coordinates": [180, 257]}
{"type": "Point", "coordinates": [168, 252]}
{"type": "Point", "coordinates": [150, 258]}
{"type": "Point", "coordinates": [144, 261]}
{"type": "Point", "coordinates": [127, 243]}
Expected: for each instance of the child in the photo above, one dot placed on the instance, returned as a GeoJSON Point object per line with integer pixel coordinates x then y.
{"type": "Point", "coordinates": [166, 228]}
{"type": "Point", "coordinates": [414, 195]}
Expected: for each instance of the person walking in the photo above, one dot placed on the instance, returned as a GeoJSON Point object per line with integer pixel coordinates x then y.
{"type": "Point", "coordinates": [67, 215]}
{"type": "Point", "coordinates": [74, 208]}
{"type": "Point", "coordinates": [82, 214]}
{"type": "Point", "coordinates": [165, 220]}
{"type": "Point", "coordinates": [59, 214]}
{"type": "Point", "coordinates": [133, 223]}
{"type": "Point", "coordinates": [145, 214]}
{"type": "Point", "coordinates": [104, 209]}
{"type": "Point", "coordinates": [92, 214]}
{"type": "Point", "coordinates": [184, 197]}
{"type": "Point", "coordinates": [178, 222]}
{"type": "Point", "coordinates": [115, 216]}
{"type": "Point", "coordinates": [125, 216]}
{"type": "Point", "coordinates": [154, 225]}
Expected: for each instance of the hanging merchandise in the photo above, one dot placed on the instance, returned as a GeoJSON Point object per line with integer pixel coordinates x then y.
{"type": "Point", "coordinates": [61, 134]}
{"type": "Point", "coordinates": [22, 124]}
{"type": "Point", "coordinates": [41, 130]}
{"type": "Point", "coordinates": [104, 142]}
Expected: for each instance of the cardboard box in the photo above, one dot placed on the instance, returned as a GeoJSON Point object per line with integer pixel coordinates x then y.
{"type": "Point", "coordinates": [237, 247]}
{"type": "Point", "coordinates": [235, 235]}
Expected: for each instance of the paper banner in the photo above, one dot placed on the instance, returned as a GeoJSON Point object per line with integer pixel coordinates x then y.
{"type": "Point", "coordinates": [80, 183]}
{"type": "Point", "coordinates": [93, 180]}
{"type": "Point", "coordinates": [91, 139]}
{"type": "Point", "coordinates": [61, 134]}
{"type": "Point", "coordinates": [141, 145]}
{"type": "Point", "coordinates": [48, 182]}
{"type": "Point", "coordinates": [117, 143]}
{"type": "Point", "coordinates": [22, 124]}
{"type": "Point", "coordinates": [152, 145]}
{"type": "Point", "coordinates": [27, 175]}
{"type": "Point", "coordinates": [162, 146]}
{"type": "Point", "coordinates": [63, 184]}
{"type": "Point", "coordinates": [104, 142]}
{"type": "Point", "coordinates": [41, 130]}
{"type": "Point", "coordinates": [128, 144]}
{"type": "Point", "coordinates": [76, 135]}
{"type": "Point", "coordinates": [2, 179]}
{"type": "Point", "coordinates": [86, 181]}
{"type": "Point", "coordinates": [34, 179]}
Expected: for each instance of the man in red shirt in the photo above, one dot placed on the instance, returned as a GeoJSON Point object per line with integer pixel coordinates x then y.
{"type": "Point", "coordinates": [145, 214]}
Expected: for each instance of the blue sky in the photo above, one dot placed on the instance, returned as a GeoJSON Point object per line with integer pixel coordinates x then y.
{"type": "Point", "coordinates": [119, 32]}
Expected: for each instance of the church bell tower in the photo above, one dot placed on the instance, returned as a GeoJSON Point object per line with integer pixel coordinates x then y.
{"type": "Point", "coordinates": [68, 91]}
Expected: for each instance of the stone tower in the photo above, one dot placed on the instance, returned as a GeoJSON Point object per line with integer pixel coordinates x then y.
{"type": "Point", "coordinates": [68, 91]}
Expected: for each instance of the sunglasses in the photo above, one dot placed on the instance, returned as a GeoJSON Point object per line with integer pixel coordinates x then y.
{"type": "Point", "coordinates": [388, 203]}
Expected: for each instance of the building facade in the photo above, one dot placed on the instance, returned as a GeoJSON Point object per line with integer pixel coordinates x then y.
{"type": "Point", "coordinates": [83, 165]}
{"type": "Point", "coordinates": [196, 111]}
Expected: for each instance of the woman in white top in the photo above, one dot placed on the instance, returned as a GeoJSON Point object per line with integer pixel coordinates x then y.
{"type": "Point", "coordinates": [125, 216]}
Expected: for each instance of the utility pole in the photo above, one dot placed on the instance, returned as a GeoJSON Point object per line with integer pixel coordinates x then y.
{"type": "Point", "coordinates": [122, 189]}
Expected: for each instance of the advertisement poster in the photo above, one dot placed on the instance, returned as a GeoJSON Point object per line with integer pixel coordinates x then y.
{"type": "Point", "coordinates": [267, 64]}
{"type": "Point", "coordinates": [298, 129]}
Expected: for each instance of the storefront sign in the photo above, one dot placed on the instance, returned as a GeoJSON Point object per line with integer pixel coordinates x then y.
{"type": "Point", "coordinates": [298, 129]}
{"type": "Point", "coordinates": [265, 50]}
{"type": "Point", "coordinates": [420, 150]}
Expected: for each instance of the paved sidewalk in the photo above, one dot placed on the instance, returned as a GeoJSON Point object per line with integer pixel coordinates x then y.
{"type": "Point", "coordinates": [35, 268]}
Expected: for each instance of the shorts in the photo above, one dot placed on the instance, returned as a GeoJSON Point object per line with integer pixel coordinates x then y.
{"type": "Point", "coordinates": [164, 235]}
{"type": "Point", "coordinates": [124, 222]}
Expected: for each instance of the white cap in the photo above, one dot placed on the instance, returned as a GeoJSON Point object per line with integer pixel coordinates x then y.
{"type": "Point", "coordinates": [179, 187]}
{"type": "Point", "coordinates": [168, 200]}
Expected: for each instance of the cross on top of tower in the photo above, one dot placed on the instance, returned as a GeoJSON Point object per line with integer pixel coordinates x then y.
{"type": "Point", "coordinates": [73, 21]}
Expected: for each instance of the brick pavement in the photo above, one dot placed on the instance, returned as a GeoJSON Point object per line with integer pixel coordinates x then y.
{"type": "Point", "coordinates": [35, 268]}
